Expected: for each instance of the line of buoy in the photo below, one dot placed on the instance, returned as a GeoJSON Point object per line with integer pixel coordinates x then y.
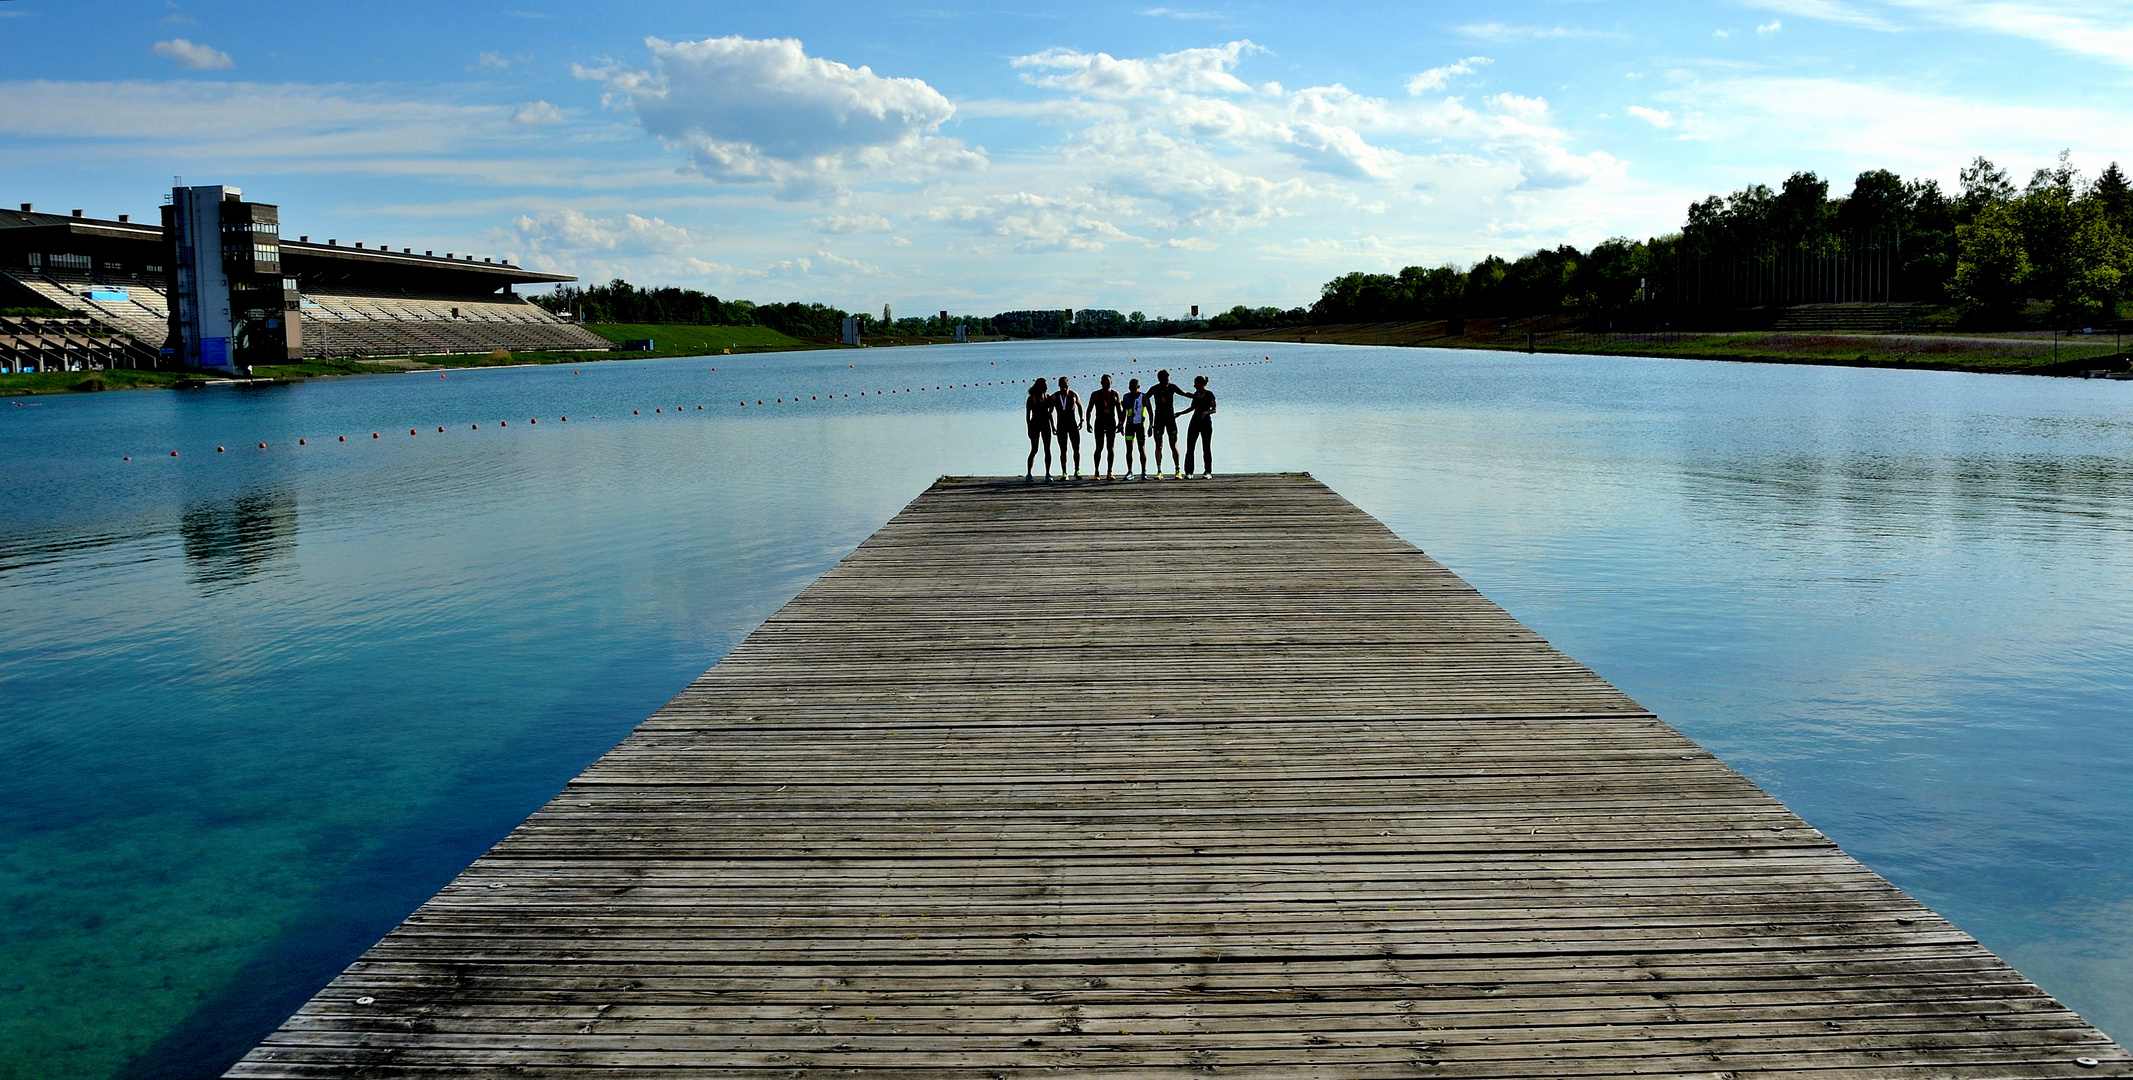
{"type": "Point", "coordinates": [743, 403]}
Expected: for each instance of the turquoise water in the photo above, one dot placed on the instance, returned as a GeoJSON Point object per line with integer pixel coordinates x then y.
{"type": "Point", "coordinates": [257, 705]}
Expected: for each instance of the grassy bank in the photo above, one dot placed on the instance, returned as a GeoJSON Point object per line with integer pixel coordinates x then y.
{"type": "Point", "coordinates": [671, 341]}
{"type": "Point", "coordinates": [64, 382]}
{"type": "Point", "coordinates": [2026, 353]}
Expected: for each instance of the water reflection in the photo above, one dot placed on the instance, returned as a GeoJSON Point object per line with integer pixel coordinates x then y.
{"type": "Point", "coordinates": [228, 541]}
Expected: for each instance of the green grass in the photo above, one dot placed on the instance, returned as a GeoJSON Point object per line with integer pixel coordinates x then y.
{"type": "Point", "coordinates": [60, 382]}
{"type": "Point", "coordinates": [314, 368]}
{"type": "Point", "coordinates": [700, 340]}
{"type": "Point", "coordinates": [670, 340]}
{"type": "Point", "coordinates": [2001, 355]}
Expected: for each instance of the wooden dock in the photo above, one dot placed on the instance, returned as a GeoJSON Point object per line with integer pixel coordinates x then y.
{"type": "Point", "coordinates": [1212, 778]}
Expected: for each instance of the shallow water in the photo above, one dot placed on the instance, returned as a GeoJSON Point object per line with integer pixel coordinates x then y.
{"type": "Point", "coordinates": [259, 704]}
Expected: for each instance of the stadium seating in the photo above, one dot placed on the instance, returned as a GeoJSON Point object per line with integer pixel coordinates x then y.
{"type": "Point", "coordinates": [69, 344]}
{"type": "Point", "coordinates": [145, 313]}
{"type": "Point", "coordinates": [410, 324]}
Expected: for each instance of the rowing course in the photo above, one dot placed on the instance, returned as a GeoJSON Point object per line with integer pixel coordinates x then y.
{"type": "Point", "coordinates": [1184, 778]}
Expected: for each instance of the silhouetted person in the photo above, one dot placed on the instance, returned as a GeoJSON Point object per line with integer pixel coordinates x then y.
{"type": "Point", "coordinates": [1103, 422]}
{"type": "Point", "coordinates": [1037, 412]}
{"type": "Point", "coordinates": [1164, 395]}
{"type": "Point", "coordinates": [1201, 428]}
{"type": "Point", "coordinates": [1066, 426]}
{"type": "Point", "coordinates": [1133, 409]}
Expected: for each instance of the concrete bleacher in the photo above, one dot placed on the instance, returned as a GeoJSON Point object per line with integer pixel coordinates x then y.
{"type": "Point", "coordinates": [402, 324]}
{"type": "Point", "coordinates": [145, 313]}
{"type": "Point", "coordinates": [1848, 318]}
{"type": "Point", "coordinates": [32, 343]}
{"type": "Point", "coordinates": [335, 323]}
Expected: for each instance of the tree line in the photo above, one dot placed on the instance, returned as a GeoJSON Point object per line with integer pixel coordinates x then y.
{"type": "Point", "coordinates": [2059, 247]}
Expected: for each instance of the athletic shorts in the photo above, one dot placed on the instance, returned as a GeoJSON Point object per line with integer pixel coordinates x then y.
{"type": "Point", "coordinates": [1167, 425]}
{"type": "Point", "coordinates": [1105, 431]}
{"type": "Point", "coordinates": [1040, 431]}
{"type": "Point", "coordinates": [1136, 432]}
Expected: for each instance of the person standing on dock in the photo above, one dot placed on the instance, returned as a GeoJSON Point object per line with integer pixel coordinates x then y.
{"type": "Point", "coordinates": [1165, 394]}
{"type": "Point", "coordinates": [1201, 428]}
{"type": "Point", "coordinates": [1037, 412]}
{"type": "Point", "coordinates": [1066, 426]}
{"type": "Point", "coordinates": [1133, 408]}
{"type": "Point", "coordinates": [1103, 422]}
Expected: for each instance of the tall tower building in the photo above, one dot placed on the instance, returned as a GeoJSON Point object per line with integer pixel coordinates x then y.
{"type": "Point", "coordinates": [231, 307]}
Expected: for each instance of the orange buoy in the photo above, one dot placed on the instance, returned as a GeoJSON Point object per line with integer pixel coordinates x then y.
{"type": "Point", "coordinates": [533, 420]}
{"type": "Point", "coordinates": [634, 412]}
{"type": "Point", "coordinates": [373, 434]}
{"type": "Point", "coordinates": [744, 404]}
{"type": "Point", "coordinates": [440, 429]}
{"type": "Point", "coordinates": [566, 419]}
{"type": "Point", "coordinates": [129, 458]}
{"type": "Point", "coordinates": [440, 374]}
{"type": "Point", "coordinates": [344, 438]}
{"type": "Point", "coordinates": [303, 442]}
{"type": "Point", "coordinates": [810, 397]}
{"type": "Point", "coordinates": [262, 446]}
{"type": "Point", "coordinates": [173, 453]}
{"type": "Point", "coordinates": [476, 427]}
{"type": "Point", "coordinates": [410, 431]}
{"type": "Point", "coordinates": [759, 401]}
{"type": "Point", "coordinates": [218, 449]}
{"type": "Point", "coordinates": [503, 423]}
{"type": "Point", "coordinates": [699, 408]}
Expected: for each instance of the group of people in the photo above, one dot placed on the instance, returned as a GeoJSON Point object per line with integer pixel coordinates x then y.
{"type": "Point", "coordinates": [1140, 416]}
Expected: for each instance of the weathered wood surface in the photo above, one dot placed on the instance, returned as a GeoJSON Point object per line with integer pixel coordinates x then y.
{"type": "Point", "coordinates": [1206, 778]}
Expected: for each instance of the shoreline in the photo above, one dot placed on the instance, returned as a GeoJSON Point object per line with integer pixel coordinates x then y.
{"type": "Point", "coordinates": [1979, 354]}
{"type": "Point", "coordinates": [1971, 354]}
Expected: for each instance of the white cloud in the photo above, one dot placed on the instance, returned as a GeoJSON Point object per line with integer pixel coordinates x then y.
{"type": "Point", "coordinates": [1658, 118]}
{"type": "Point", "coordinates": [1175, 13]}
{"type": "Point", "coordinates": [1496, 31]}
{"type": "Point", "coordinates": [536, 112]}
{"type": "Point", "coordinates": [1851, 124]}
{"type": "Point", "coordinates": [575, 232]}
{"type": "Point", "coordinates": [1437, 78]}
{"type": "Point", "coordinates": [847, 224]}
{"type": "Point", "coordinates": [750, 111]}
{"type": "Point", "coordinates": [2081, 27]}
{"type": "Point", "coordinates": [1826, 11]}
{"type": "Point", "coordinates": [1769, 28]}
{"type": "Point", "coordinates": [192, 56]}
{"type": "Point", "coordinates": [1035, 222]}
{"type": "Point", "coordinates": [492, 61]}
{"type": "Point", "coordinates": [1100, 75]}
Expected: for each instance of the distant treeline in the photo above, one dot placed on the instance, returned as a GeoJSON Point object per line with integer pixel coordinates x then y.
{"type": "Point", "coordinates": [2059, 247]}
{"type": "Point", "coordinates": [619, 301]}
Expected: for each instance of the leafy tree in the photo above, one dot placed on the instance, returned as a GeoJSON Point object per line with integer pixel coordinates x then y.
{"type": "Point", "coordinates": [1993, 266]}
{"type": "Point", "coordinates": [1984, 184]}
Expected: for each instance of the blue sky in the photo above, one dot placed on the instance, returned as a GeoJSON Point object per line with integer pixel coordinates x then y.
{"type": "Point", "coordinates": [988, 157]}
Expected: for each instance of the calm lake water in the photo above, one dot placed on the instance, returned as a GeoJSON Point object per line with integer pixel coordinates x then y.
{"type": "Point", "coordinates": [257, 705]}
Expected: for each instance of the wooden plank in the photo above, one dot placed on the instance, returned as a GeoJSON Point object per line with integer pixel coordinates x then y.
{"type": "Point", "coordinates": [1157, 780]}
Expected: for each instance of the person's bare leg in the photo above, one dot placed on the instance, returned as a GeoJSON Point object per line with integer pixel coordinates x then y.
{"type": "Point", "coordinates": [1029, 467]}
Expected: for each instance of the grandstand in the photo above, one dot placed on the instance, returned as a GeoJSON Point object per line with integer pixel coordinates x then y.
{"type": "Point", "coordinates": [355, 300]}
{"type": "Point", "coordinates": [67, 344]}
